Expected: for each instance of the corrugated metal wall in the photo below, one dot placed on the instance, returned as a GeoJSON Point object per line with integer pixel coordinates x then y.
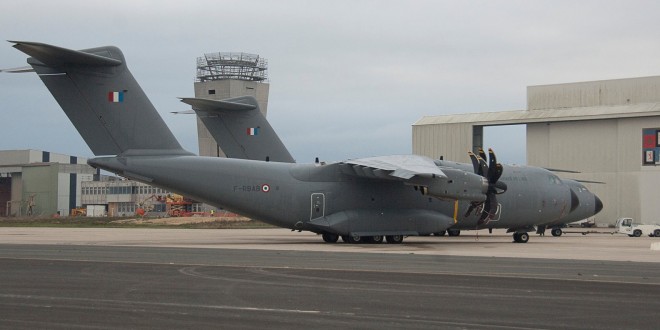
{"type": "Point", "coordinates": [602, 150]}
{"type": "Point", "coordinates": [452, 141]}
{"type": "Point", "coordinates": [594, 93]}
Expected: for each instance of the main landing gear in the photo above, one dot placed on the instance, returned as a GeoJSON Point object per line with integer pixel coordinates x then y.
{"type": "Point", "coordinates": [355, 239]}
{"type": "Point", "coordinates": [330, 238]}
{"type": "Point", "coordinates": [520, 237]}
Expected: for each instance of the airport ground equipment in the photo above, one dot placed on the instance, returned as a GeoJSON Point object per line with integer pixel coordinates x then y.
{"type": "Point", "coordinates": [628, 227]}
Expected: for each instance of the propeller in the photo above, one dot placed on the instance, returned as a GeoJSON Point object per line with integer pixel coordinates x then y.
{"type": "Point", "coordinates": [492, 171]}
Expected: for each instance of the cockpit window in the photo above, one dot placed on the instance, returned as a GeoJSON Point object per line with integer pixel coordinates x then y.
{"type": "Point", "coordinates": [554, 179]}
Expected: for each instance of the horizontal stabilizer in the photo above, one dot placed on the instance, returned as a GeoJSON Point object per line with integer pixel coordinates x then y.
{"type": "Point", "coordinates": [217, 106]}
{"type": "Point", "coordinates": [54, 56]}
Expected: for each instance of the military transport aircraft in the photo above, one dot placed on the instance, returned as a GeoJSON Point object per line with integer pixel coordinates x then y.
{"type": "Point", "coordinates": [365, 199]}
{"type": "Point", "coordinates": [226, 121]}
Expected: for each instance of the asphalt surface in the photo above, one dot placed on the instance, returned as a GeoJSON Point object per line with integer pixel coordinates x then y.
{"type": "Point", "coordinates": [85, 286]}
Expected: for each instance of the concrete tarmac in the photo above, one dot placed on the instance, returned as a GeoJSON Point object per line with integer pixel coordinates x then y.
{"type": "Point", "coordinates": [574, 245]}
{"type": "Point", "coordinates": [272, 278]}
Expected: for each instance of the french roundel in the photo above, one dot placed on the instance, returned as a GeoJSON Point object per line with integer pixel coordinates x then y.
{"type": "Point", "coordinates": [265, 188]}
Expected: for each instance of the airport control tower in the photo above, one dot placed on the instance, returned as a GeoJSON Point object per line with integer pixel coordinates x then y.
{"type": "Point", "coordinates": [225, 75]}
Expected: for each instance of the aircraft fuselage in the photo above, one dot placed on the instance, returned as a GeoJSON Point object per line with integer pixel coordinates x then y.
{"type": "Point", "coordinates": [320, 198]}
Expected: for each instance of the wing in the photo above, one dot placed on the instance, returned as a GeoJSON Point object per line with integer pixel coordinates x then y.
{"type": "Point", "coordinates": [422, 173]}
{"type": "Point", "coordinates": [397, 167]}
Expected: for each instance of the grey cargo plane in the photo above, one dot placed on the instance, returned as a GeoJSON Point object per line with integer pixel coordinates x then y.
{"type": "Point", "coordinates": [359, 200]}
{"type": "Point", "coordinates": [227, 126]}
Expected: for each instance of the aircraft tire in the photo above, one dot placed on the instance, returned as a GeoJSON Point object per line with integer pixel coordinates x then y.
{"type": "Point", "coordinates": [440, 233]}
{"type": "Point", "coordinates": [394, 239]}
{"type": "Point", "coordinates": [453, 232]}
{"type": "Point", "coordinates": [520, 237]}
{"type": "Point", "coordinates": [375, 239]}
{"type": "Point", "coordinates": [556, 232]}
{"type": "Point", "coordinates": [637, 233]}
{"type": "Point", "coordinates": [353, 239]}
{"type": "Point", "coordinates": [330, 238]}
{"type": "Point", "coordinates": [656, 233]}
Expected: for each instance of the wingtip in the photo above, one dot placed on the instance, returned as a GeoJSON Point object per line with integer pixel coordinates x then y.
{"type": "Point", "coordinates": [22, 42]}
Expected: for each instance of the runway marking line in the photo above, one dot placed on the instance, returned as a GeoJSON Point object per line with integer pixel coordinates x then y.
{"type": "Point", "coordinates": [128, 303]}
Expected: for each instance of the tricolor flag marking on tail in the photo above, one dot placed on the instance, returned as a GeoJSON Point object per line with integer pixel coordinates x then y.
{"type": "Point", "coordinates": [116, 97]}
{"type": "Point", "coordinates": [253, 131]}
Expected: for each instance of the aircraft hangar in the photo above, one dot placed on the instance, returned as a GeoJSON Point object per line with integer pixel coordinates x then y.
{"type": "Point", "coordinates": [608, 131]}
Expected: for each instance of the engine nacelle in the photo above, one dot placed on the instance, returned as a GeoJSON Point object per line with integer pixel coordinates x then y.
{"type": "Point", "coordinates": [459, 185]}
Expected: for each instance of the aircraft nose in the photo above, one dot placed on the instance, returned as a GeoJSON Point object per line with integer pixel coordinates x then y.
{"type": "Point", "coordinates": [599, 205]}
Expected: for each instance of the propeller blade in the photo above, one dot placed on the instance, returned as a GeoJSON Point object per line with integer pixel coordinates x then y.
{"type": "Point", "coordinates": [498, 172]}
{"type": "Point", "coordinates": [475, 161]}
{"type": "Point", "coordinates": [482, 153]}
{"type": "Point", "coordinates": [500, 187]}
{"type": "Point", "coordinates": [483, 168]}
{"type": "Point", "coordinates": [485, 212]}
{"type": "Point", "coordinates": [492, 166]}
{"type": "Point", "coordinates": [490, 207]}
{"type": "Point", "coordinates": [490, 169]}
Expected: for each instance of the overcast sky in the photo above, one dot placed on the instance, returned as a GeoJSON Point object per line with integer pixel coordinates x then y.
{"type": "Point", "coordinates": [348, 78]}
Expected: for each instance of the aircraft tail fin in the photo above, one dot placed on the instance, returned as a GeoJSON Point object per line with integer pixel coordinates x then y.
{"type": "Point", "coordinates": [240, 129]}
{"type": "Point", "coordinates": [102, 99]}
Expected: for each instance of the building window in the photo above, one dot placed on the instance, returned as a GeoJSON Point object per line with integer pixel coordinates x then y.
{"type": "Point", "coordinates": [211, 91]}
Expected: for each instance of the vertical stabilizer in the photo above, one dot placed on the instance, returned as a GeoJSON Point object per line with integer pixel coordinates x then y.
{"type": "Point", "coordinates": [240, 129]}
{"type": "Point", "coordinates": [102, 99]}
